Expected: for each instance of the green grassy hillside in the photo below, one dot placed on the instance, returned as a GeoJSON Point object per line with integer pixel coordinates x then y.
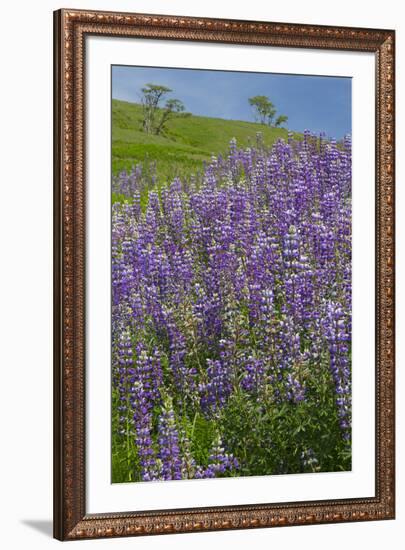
{"type": "Point", "coordinates": [187, 142]}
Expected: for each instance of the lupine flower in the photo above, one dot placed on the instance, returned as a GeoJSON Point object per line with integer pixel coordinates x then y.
{"type": "Point", "coordinates": [168, 440]}
{"type": "Point", "coordinates": [214, 392]}
{"type": "Point", "coordinates": [143, 433]}
{"type": "Point", "coordinates": [220, 462]}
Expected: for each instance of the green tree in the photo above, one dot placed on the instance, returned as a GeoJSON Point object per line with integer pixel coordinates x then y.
{"type": "Point", "coordinates": [155, 116]}
{"type": "Point", "coordinates": [263, 108]}
{"type": "Point", "coordinates": [172, 106]}
{"type": "Point", "coordinates": [265, 111]}
{"type": "Point", "coordinates": [282, 119]}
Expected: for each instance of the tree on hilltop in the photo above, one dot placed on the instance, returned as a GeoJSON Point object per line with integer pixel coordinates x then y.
{"type": "Point", "coordinates": [265, 111]}
{"type": "Point", "coordinates": [155, 115]}
{"type": "Point", "coordinates": [282, 119]}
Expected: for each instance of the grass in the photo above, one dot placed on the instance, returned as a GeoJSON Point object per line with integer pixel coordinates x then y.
{"type": "Point", "coordinates": [186, 144]}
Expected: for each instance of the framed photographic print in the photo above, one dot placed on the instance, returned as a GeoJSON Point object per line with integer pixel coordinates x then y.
{"type": "Point", "coordinates": [224, 274]}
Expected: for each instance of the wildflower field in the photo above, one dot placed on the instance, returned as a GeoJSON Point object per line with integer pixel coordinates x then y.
{"type": "Point", "coordinates": [231, 315]}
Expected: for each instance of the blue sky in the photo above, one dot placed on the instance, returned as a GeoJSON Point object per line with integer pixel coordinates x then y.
{"type": "Point", "coordinates": [316, 103]}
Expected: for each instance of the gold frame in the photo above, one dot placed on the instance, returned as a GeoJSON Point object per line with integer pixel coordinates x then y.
{"type": "Point", "coordinates": [70, 518]}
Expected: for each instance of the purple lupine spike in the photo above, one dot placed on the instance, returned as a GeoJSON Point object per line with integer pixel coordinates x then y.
{"type": "Point", "coordinates": [143, 429]}
{"type": "Point", "coordinates": [189, 466]}
{"type": "Point", "coordinates": [168, 439]}
{"type": "Point", "coordinates": [338, 338]}
{"type": "Point", "coordinates": [216, 390]}
{"type": "Point", "coordinates": [148, 371]}
{"type": "Point", "coordinates": [125, 378]}
{"type": "Point", "coordinates": [219, 462]}
{"type": "Point", "coordinates": [253, 376]}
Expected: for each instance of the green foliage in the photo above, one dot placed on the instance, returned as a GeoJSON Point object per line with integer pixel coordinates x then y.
{"type": "Point", "coordinates": [264, 109]}
{"type": "Point", "coordinates": [272, 438]}
{"type": "Point", "coordinates": [282, 119]}
{"type": "Point", "coordinates": [201, 434]}
{"type": "Point", "coordinates": [124, 455]}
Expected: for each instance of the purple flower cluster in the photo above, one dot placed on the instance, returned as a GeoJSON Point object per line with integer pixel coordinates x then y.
{"type": "Point", "coordinates": [214, 392]}
{"type": "Point", "coordinates": [339, 341]}
{"type": "Point", "coordinates": [168, 440]}
{"type": "Point", "coordinates": [235, 281]}
{"type": "Point", "coordinates": [220, 462]}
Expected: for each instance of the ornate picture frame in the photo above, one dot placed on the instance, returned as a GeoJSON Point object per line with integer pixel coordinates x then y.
{"type": "Point", "coordinates": [71, 519]}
